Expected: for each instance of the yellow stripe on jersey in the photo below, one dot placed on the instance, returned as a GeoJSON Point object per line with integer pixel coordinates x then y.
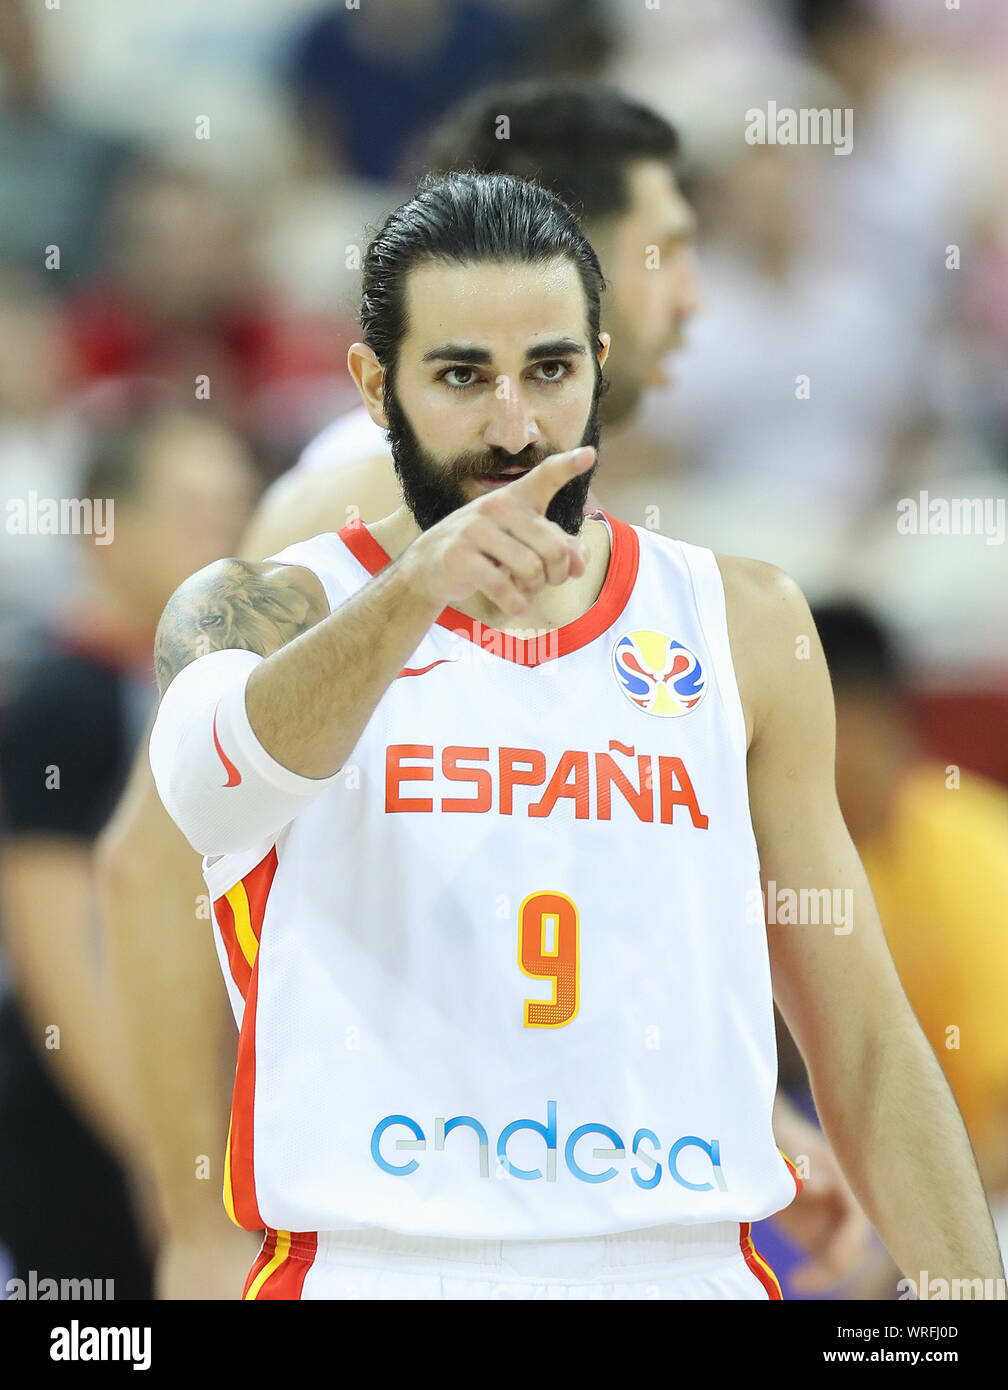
{"type": "Point", "coordinates": [763, 1265]}
{"type": "Point", "coordinates": [229, 1205]}
{"type": "Point", "coordinates": [238, 900]}
{"type": "Point", "coordinates": [279, 1255]}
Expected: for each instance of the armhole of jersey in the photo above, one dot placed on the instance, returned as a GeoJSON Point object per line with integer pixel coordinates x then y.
{"type": "Point", "coordinates": [709, 596]}
{"type": "Point", "coordinates": [322, 556]}
{"type": "Point", "coordinates": [712, 610]}
{"type": "Point", "coordinates": [234, 994]}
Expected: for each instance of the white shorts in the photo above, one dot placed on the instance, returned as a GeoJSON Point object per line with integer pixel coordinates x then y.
{"type": "Point", "coordinates": [710, 1261]}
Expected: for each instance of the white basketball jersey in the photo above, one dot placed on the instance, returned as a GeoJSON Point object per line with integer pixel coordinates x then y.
{"type": "Point", "coordinates": [507, 976]}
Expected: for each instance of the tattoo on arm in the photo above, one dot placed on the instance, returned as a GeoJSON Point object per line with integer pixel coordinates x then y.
{"type": "Point", "coordinates": [234, 604]}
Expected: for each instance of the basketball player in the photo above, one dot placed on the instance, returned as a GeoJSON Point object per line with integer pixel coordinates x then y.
{"type": "Point", "coordinates": [485, 793]}
{"type": "Point", "coordinates": [613, 159]}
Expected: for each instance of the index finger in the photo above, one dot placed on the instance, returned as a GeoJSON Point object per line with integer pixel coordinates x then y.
{"type": "Point", "coordinates": [540, 483]}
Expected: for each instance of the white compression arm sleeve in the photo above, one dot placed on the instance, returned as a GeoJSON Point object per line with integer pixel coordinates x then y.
{"type": "Point", "coordinates": [218, 783]}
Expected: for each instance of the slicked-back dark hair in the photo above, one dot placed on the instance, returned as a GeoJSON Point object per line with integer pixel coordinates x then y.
{"type": "Point", "coordinates": [465, 219]}
{"type": "Point", "coordinates": [573, 136]}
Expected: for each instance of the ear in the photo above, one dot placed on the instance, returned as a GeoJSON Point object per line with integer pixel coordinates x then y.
{"type": "Point", "coordinates": [369, 376]}
{"type": "Point", "coordinates": [603, 353]}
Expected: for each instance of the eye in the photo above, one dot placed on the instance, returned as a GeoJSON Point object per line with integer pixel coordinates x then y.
{"type": "Point", "coordinates": [555, 372]}
{"type": "Point", "coordinates": [468, 372]}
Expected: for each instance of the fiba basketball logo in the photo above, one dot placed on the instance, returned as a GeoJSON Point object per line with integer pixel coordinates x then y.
{"type": "Point", "coordinates": [658, 674]}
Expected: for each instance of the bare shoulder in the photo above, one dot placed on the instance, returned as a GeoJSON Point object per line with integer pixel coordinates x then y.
{"type": "Point", "coordinates": [301, 505]}
{"type": "Point", "coordinates": [249, 605]}
{"type": "Point", "coordinates": [757, 587]}
{"type": "Point", "coordinates": [768, 616]}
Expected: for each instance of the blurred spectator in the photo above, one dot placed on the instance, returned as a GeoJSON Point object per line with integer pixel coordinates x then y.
{"type": "Point", "coordinates": [934, 844]}
{"type": "Point", "coordinates": [181, 489]}
{"type": "Point", "coordinates": [180, 296]}
{"type": "Point", "coordinates": [927, 163]}
{"type": "Point", "coordinates": [149, 73]}
{"type": "Point", "coordinates": [54, 175]}
{"type": "Point", "coordinates": [836, 275]}
{"type": "Point", "coordinates": [812, 356]}
{"type": "Point", "coordinates": [929, 176]}
{"type": "Point", "coordinates": [40, 451]}
{"type": "Point", "coordinates": [370, 81]}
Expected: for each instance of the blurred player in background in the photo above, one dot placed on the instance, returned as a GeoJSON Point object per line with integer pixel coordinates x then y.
{"type": "Point", "coordinates": [331, 909]}
{"type": "Point", "coordinates": [175, 487]}
{"type": "Point", "coordinates": [934, 843]}
{"type": "Point", "coordinates": [612, 160]}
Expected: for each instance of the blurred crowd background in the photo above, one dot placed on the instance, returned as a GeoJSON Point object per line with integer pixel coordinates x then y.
{"type": "Point", "coordinates": [183, 189]}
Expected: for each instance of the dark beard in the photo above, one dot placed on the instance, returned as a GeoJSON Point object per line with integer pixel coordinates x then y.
{"type": "Point", "coordinates": [433, 491]}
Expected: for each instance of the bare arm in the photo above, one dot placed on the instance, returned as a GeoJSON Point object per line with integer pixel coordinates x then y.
{"type": "Point", "coordinates": [884, 1103]}
{"type": "Point", "coordinates": [235, 604]}
{"type": "Point", "coordinates": [325, 672]}
{"type": "Point", "coordinates": [309, 701]}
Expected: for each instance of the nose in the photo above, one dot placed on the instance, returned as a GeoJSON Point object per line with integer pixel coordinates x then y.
{"type": "Point", "coordinates": [689, 286]}
{"type": "Point", "coordinates": [512, 425]}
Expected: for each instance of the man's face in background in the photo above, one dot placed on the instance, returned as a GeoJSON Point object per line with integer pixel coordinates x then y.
{"type": "Point", "coordinates": [648, 259]}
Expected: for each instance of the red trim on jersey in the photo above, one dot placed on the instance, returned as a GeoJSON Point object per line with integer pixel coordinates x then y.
{"type": "Point", "coordinates": [757, 1264]}
{"type": "Point", "coordinates": [261, 1260]}
{"type": "Point", "coordinates": [613, 598]}
{"type": "Point", "coordinates": [288, 1281]}
{"type": "Point", "coordinates": [363, 546]}
{"type": "Point", "coordinates": [257, 883]}
{"type": "Point", "coordinates": [240, 970]}
{"type": "Point", "coordinates": [793, 1171]}
{"type": "Point", "coordinates": [243, 1191]}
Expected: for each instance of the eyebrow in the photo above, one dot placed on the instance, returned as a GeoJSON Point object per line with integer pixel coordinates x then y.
{"type": "Point", "coordinates": [481, 357]}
